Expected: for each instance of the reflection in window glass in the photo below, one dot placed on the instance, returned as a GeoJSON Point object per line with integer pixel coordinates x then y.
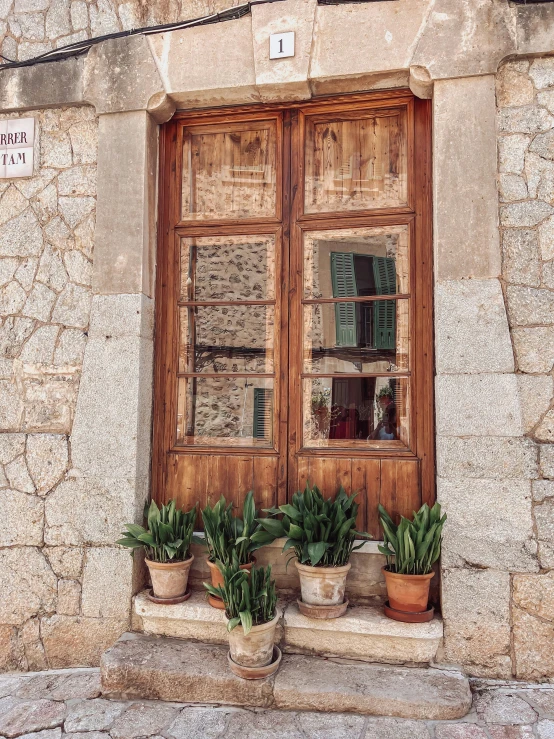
{"type": "Point", "coordinates": [225, 411]}
{"type": "Point", "coordinates": [227, 338]}
{"type": "Point", "coordinates": [371, 337]}
{"type": "Point", "coordinates": [228, 268]}
{"type": "Point", "coordinates": [230, 173]}
{"type": "Point", "coordinates": [360, 412]}
{"type": "Point", "coordinates": [356, 262]}
{"type": "Point", "coordinates": [356, 164]}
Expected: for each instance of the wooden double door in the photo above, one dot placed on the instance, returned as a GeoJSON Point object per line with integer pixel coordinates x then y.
{"type": "Point", "coordinates": [294, 304]}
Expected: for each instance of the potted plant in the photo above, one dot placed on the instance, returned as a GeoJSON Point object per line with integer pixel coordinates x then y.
{"type": "Point", "coordinates": [224, 534]}
{"type": "Point", "coordinates": [411, 548]}
{"type": "Point", "coordinates": [250, 602]}
{"type": "Point", "coordinates": [166, 543]}
{"type": "Point", "coordinates": [322, 534]}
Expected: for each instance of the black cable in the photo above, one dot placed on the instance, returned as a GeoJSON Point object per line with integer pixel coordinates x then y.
{"type": "Point", "coordinates": [81, 47]}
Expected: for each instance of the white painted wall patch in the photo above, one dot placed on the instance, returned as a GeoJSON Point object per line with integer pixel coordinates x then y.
{"type": "Point", "coordinates": [281, 45]}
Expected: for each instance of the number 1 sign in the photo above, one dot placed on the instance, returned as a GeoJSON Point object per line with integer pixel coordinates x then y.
{"type": "Point", "coordinates": [281, 45]}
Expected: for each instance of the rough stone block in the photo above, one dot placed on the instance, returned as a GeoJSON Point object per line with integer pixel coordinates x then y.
{"type": "Point", "coordinates": [61, 686]}
{"type": "Point", "coordinates": [28, 585]}
{"type": "Point", "coordinates": [71, 641]}
{"type": "Point", "coordinates": [497, 708]}
{"type": "Point", "coordinates": [466, 213]}
{"type": "Point", "coordinates": [533, 617]}
{"type": "Point", "coordinates": [46, 459]}
{"type": "Point", "coordinates": [363, 633]}
{"type": "Point", "coordinates": [68, 511]}
{"type": "Point", "coordinates": [143, 720]}
{"type": "Point", "coordinates": [547, 460]}
{"type": "Point", "coordinates": [542, 489]}
{"type": "Point", "coordinates": [476, 612]}
{"type": "Point", "coordinates": [529, 306]}
{"type": "Point", "coordinates": [534, 349]}
{"type": "Point", "coordinates": [545, 430]}
{"type": "Point", "coordinates": [525, 214]}
{"type": "Point", "coordinates": [542, 72]}
{"type": "Point", "coordinates": [150, 667]}
{"type": "Point", "coordinates": [384, 728]}
{"type": "Point", "coordinates": [69, 597]}
{"type": "Point", "coordinates": [520, 257]}
{"type": "Point", "coordinates": [115, 390]}
{"type": "Point", "coordinates": [122, 315]}
{"type": "Point", "coordinates": [526, 119]}
{"type": "Point", "coordinates": [19, 717]}
{"type": "Point", "coordinates": [308, 684]}
{"type": "Point", "coordinates": [487, 457]}
{"type": "Point", "coordinates": [535, 392]}
{"type": "Point", "coordinates": [462, 402]}
{"type": "Point", "coordinates": [470, 314]}
{"type": "Point", "coordinates": [94, 715]}
{"type": "Point", "coordinates": [511, 153]}
{"type": "Point", "coordinates": [21, 519]}
{"type": "Point", "coordinates": [107, 583]}
{"type": "Point", "coordinates": [489, 524]}
{"type": "Point", "coordinates": [544, 521]}
{"type": "Point", "coordinates": [513, 86]}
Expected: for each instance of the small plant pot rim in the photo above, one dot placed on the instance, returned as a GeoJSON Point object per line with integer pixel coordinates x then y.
{"type": "Point", "coordinates": [258, 627]}
{"type": "Point", "coordinates": [400, 576]}
{"type": "Point", "coordinates": [312, 571]}
{"type": "Point", "coordinates": [256, 673]}
{"type": "Point", "coordinates": [169, 565]}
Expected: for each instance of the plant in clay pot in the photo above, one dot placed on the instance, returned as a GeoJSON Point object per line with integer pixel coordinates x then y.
{"type": "Point", "coordinates": [226, 534]}
{"type": "Point", "coordinates": [411, 548]}
{"type": "Point", "coordinates": [166, 543]}
{"type": "Point", "coordinates": [250, 602]}
{"type": "Point", "coordinates": [322, 533]}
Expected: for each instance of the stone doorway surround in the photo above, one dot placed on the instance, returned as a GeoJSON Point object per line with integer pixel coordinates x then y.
{"type": "Point", "coordinates": [442, 49]}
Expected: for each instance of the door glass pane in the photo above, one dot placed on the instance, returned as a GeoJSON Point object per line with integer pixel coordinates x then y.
{"type": "Point", "coordinates": [356, 412]}
{"type": "Point", "coordinates": [225, 411]}
{"type": "Point", "coordinates": [227, 338]}
{"type": "Point", "coordinates": [228, 268]}
{"type": "Point", "coordinates": [356, 337]}
{"type": "Point", "coordinates": [356, 161]}
{"type": "Point", "coordinates": [356, 262]}
{"type": "Point", "coordinates": [229, 172]}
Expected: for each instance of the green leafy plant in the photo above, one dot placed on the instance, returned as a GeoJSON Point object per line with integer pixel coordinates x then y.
{"type": "Point", "coordinates": [250, 599]}
{"type": "Point", "coordinates": [321, 532]}
{"type": "Point", "coordinates": [226, 533]}
{"type": "Point", "coordinates": [168, 536]}
{"type": "Point", "coordinates": [413, 547]}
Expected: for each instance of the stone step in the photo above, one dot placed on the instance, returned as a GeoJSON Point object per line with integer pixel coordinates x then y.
{"type": "Point", "coordinates": [161, 668]}
{"type": "Point", "coordinates": [363, 633]}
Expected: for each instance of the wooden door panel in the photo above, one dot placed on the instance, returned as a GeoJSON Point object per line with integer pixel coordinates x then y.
{"type": "Point", "coordinates": [400, 486]}
{"type": "Point", "coordinates": [199, 478]}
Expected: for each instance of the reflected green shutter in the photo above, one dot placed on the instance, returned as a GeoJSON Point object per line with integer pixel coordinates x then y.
{"type": "Point", "coordinates": [384, 311]}
{"type": "Point", "coordinates": [263, 414]}
{"type": "Point", "coordinates": [344, 285]}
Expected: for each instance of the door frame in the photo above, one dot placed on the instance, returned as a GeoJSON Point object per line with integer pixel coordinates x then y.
{"type": "Point", "coordinates": [419, 215]}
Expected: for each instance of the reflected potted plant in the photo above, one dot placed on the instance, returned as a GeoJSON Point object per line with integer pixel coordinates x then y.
{"type": "Point", "coordinates": [322, 534]}
{"type": "Point", "coordinates": [166, 543]}
{"type": "Point", "coordinates": [250, 603]}
{"type": "Point", "coordinates": [226, 534]}
{"type": "Point", "coordinates": [411, 548]}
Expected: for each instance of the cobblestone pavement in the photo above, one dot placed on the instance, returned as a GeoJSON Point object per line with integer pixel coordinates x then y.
{"type": "Point", "coordinates": [67, 703]}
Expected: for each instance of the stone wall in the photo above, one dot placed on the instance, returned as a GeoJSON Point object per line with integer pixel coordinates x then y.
{"type": "Point", "coordinates": [46, 250]}
{"type": "Point", "coordinates": [525, 98]}
{"type": "Point", "coordinates": [31, 27]}
{"type": "Point", "coordinates": [495, 340]}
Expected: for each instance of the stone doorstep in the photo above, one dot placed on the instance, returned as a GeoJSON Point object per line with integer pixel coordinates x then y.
{"type": "Point", "coordinates": [160, 668]}
{"type": "Point", "coordinates": [363, 633]}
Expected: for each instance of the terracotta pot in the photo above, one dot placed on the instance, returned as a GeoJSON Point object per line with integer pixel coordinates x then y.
{"type": "Point", "coordinates": [322, 586]}
{"type": "Point", "coordinates": [217, 580]}
{"type": "Point", "coordinates": [408, 593]}
{"type": "Point", "coordinates": [256, 648]}
{"type": "Point", "coordinates": [169, 580]}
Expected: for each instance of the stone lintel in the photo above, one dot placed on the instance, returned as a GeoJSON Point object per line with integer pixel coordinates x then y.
{"type": "Point", "coordinates": [48, 85]}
